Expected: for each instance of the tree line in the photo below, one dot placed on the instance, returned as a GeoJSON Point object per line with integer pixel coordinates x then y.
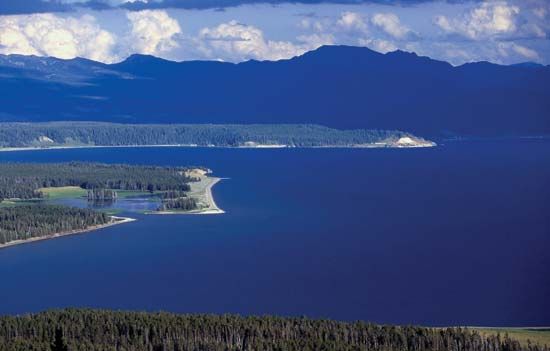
{"type": "Point", "coordinates": [181, 204]}
{"type": "Point", "coordinates": [110, 134]}
{"type": "Point", "coordinates": [102, 195]}
{"type": "Point", "coordinates": [24, 222]}
{"type": "Point", "coordinates": [86, 329]}
{"type": "Point", "coordinates": [22, 180]}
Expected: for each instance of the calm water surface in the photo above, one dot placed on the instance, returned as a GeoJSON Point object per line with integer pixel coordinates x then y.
{"type": "Point", "coordinates": [458, 234]}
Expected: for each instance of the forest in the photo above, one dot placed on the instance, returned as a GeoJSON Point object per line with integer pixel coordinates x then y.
{"type": "Point", "coordinates": [22, 180]}
{"type": "Point", "coordinates": [180, 203]}
{"type": "Point", "coordinates": [87, 329]}
{"type": "Point", "coordinates": [102, 195]}
{"type": "Point", "coordinates": [31, 221]}
{"type": "Point", "coordinates": [230, 135]}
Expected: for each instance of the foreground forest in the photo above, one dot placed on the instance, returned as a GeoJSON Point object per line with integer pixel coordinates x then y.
{"type": "Point", "coordinates": [84, 329]}
{"type": "Point", "coordinates": [230, 135]}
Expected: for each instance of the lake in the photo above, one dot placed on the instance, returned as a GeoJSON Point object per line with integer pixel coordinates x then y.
{"type": "Point", "coordinates": [453, 235]}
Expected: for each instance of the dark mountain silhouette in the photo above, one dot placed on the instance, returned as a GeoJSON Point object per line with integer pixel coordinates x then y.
{"type": "Point", "coordinates": [336, 86]}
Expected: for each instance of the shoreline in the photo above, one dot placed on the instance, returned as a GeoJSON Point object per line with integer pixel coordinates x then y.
{"type": "Point", "coordinates": [259, 146]}
{"type": "Point", "coordinates": [206, 194]}
{"type": "Point", "coordinates": [116, 221]}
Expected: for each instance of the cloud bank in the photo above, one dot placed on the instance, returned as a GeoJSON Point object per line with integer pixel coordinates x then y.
{"type": "Point", "coordinates": [152, 32]}
{"type": "Point", "coordinates": [498, 31]}
{"type": "Point", "coordinates": [50, 35]}
{"type": "Point", "coordinates": [489, 19]}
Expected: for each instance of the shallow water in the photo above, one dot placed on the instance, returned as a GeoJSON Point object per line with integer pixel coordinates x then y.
{"type": "Point", "coordinates": [458, 234]}
{"type": "Point", "coordinates": [137, 204]}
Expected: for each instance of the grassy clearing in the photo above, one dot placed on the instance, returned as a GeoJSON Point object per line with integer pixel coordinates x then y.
{"type": "Point", "coordinates": [63, 192]}
{"type": "Point", "coordinates": [9, 203]}
{"type": "Point", "coordinates": [536, 336]}
{"type": "Point", "coordinates": [111, 211]}
{"type": "Point", "coordinates": [135, 193]}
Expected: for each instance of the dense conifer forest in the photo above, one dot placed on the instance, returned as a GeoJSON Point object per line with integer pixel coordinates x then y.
{"type": "Point", "coordinates": [108, 134]}
{"type": "Point", "coordinates": [102, 195]}
{"type": "Point", "coordinates": [174, 194]}
{"type": "Point", "coordinates": [32, 221]}
{"type": "Point", "coordinates": [181, 204]}
{"type": "Point", "coordinates": [83, 329]}
{"type": "Point", "coordinates": [22, 180]}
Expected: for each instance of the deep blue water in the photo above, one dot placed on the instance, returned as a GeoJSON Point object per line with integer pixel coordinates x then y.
{"type": "Point", "coordinates": [458, 234]}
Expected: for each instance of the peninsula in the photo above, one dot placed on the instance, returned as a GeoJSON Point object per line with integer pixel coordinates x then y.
{"type": "Point", "coordinates": [62, 135]}
{"type": "Point", "coordinates": [30, 195]}
{"type": "Point", "coordinates": [30, 223]}
{"type": "Point", "coordinates": [200, 192]}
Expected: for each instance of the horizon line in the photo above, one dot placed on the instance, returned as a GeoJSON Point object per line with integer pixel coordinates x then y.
{"type": "Point", "coordinates": [280, 60]}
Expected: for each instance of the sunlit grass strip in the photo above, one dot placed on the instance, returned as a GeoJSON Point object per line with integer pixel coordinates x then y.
{"type": "Point", "coordinates": [63, 192]}
{"type": "Point", "coordinates": [540, 336]}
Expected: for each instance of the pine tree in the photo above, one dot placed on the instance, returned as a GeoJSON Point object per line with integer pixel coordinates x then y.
{"type": "Point", "coordinates": [59, 342]}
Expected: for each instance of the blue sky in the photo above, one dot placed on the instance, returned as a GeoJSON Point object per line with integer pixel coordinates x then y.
{"type": "Point", "coordinates": [499, 31]}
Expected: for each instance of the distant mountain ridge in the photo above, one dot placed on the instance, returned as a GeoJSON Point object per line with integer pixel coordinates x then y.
{"type": "Point", "coordinates": [336, 86]}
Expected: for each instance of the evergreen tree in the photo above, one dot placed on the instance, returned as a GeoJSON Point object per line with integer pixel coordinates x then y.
{"type": "Point", "coordinates": [59, 342]}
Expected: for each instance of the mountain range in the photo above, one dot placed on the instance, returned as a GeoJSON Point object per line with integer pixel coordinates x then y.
{"type": "Point", "coordinates": [336, 86]}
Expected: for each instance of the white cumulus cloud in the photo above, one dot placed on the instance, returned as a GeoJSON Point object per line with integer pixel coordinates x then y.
{"type": "Point", "coordinates": [52, 35]}
{"type": "Point", "coordinates": [309, 24]}
{"type": "Point", "coordinates": [444, 23]}
{"type": "Point", "coordinates": [488, 19]}
{"type": "Point", "coordinates": [379, 45]}
{"type": "Point", "coordinates": [313, 41]}
{"type": "Point", "coordinates": [234, 41]}
{"type": "Point", "coordinates": [352, 21]}
{"type": "Point", "coordinates": [390, 23]}
{"type": "Point", "coordinates": [152, 32]}
{"type": "Point", "coordinates": [525, 52]}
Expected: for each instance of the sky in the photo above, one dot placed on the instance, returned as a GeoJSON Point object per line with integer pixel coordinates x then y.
{"type": "Point", "coordinates": [499, 31]}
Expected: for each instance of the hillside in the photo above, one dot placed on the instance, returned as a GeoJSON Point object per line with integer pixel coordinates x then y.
{"type": "Point", "coordinates": [335, 86]}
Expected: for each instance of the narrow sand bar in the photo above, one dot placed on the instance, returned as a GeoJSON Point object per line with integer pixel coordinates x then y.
{"type": "Point", "coordinates": [202, 191]}
{"type": "Point", "coordinates": [404, 142]}
{"type": "Point", "coordinates": [65, 147]}
{"type": "Point", "coordinates": [114, 221]}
